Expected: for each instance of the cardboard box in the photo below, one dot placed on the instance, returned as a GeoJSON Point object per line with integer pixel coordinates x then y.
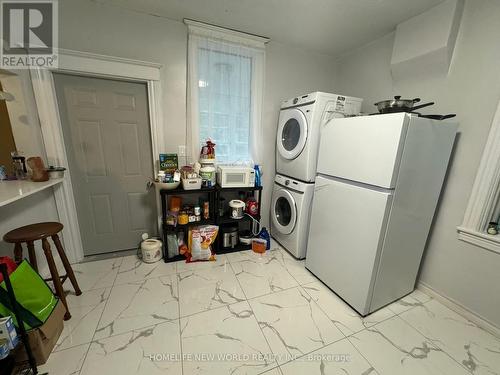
{"type": "Point", "coordinates": [169, 163]}
{"type": "Point", "coordinates": [43, 339]}
{"type": "Point", "coordinates": [8, 332]}
{"type": "Point", "coordinates": [4, 349]}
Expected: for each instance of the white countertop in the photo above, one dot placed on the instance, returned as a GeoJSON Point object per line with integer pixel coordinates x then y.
{"type": "Point", "coordinates": [11, 191]}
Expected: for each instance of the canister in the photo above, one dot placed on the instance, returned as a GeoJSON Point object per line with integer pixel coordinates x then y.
{"type": "Point", "coordinates": [183, 218]}
{"type": "Point", "coordinates": [237, 208]}
{"type": "Point", "coordinates": [207, 174]}
{"type": "Point", "coordinates": [151, 250]}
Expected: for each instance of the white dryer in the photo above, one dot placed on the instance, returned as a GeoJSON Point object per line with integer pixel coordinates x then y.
{"type": "Point", "coordinates": [299, 126]}
{"type": "Point", "coordinates": [290, 210]}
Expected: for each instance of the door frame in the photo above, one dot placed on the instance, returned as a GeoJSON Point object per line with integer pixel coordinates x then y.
{"type": "Point", "coordinates": [95, 66]}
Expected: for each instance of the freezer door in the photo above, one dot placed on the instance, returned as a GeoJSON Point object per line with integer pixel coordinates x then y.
{"type": "Point", "coordinates": [366, 149]}
{"type": "Point", "coordinates": [346, 233]}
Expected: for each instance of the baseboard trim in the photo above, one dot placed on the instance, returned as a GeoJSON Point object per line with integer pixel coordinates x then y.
{"type": "Point", "coordinates": [460, 309]}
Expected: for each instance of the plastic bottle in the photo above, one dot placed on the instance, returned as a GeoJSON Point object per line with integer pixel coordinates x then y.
{"type": "Point", "coordinates": [264, 234]}
{"type": "Point", "coordinates": [258, 181]}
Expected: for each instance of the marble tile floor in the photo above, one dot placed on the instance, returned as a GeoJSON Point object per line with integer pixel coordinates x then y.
{"type": "Point", "coordinates": [253, 314]}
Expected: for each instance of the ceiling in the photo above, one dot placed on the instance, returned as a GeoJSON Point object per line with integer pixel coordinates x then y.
{"type": "Point", "coordinates": [331, 27]}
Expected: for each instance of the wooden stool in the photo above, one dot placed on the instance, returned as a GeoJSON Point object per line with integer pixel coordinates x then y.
{"type": "Point", "coordinates": [41, 231]}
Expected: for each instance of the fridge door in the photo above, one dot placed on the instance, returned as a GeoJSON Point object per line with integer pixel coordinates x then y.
{"type": "Point", "coordinates": [366, 149]}
{"type": "Point", "coordinates": [346, 233]}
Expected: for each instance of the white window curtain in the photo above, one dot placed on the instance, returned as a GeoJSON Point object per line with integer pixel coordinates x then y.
{"type": "Point", "coordinates": [225, 92]}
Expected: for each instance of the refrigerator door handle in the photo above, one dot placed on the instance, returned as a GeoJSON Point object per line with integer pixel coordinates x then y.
{"type": "Point", "coordinates": [353, 183]}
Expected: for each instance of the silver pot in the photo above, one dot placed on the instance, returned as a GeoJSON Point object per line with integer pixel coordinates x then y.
{"type": "Point", "coordinates": [229, 237]}
{"type": "Point", "coordinates": [400, 105]}
{"type": "Point", "coordinates": [56, 172]}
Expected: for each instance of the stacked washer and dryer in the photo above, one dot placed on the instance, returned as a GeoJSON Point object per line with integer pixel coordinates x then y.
{"type": "Point", "coordinates": [299, 129]}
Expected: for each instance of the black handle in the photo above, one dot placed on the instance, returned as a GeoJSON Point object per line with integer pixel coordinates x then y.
{"type": "Point", "coordinates": [439, 117]}
{"type": "Point", "coordinates": [416, 100]}
{"type": "Point", "coordinates": [421, 106]}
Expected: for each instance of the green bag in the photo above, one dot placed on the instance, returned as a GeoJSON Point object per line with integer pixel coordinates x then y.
{"type": "Point", "coordinates": [35, 300]}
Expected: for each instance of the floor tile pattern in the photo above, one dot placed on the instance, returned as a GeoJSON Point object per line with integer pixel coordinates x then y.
{"type": "Point", "coordinates": [248, 313]}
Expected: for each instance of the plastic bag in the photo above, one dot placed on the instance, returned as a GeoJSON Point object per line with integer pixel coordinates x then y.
{"type": "Point", "coordinates": [34, 297]}
{"type": "Point", "coordinates": [200, 240]}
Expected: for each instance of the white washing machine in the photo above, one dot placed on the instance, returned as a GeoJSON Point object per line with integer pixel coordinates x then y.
{"type": "Point", "coordinates": [299, 128]}
{"type": "Point", "coordinates": [290, 210]}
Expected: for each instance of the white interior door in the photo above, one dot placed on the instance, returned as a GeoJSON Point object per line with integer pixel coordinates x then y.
{"type": "Point", "coordinates": [108, 144]}
{"type": "Point", "coordinates": [366, 149]}
{"type": "Point", "coordinates": [346, 230]}
{"type": "Point", "coordinates": [292, 133]}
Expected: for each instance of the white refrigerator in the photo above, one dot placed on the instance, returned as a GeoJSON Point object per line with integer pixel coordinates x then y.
{"type": "Point", "coordinates": [377, 187]}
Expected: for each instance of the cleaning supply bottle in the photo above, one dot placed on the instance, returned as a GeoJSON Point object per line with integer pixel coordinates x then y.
{"type": "Point", "coordinates": [264, 234]}
{"type": "Point", "coordinates": [258, 181]}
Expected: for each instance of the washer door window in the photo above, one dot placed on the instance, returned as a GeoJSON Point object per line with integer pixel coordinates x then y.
{"type": "Point", "coordinates": [284, 211]}
{"type": "Point", "coordinates": [292, 133]}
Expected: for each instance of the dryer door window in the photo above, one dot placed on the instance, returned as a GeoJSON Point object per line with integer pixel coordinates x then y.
{"type": "Point", "coordinates": [284, 214]}
{"type": "Point", "coordinates": [292, 133]}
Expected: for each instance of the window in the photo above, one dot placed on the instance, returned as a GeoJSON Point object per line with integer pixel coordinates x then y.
{"type": "Point", "coordinates": [225, 74]}
{"type": "Point", "coordinates": [484, 202]}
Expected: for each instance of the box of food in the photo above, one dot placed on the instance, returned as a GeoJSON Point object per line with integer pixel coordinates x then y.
{"type": "Point", "coordinates": [8, 332]}
{"type": "Point", "coordinates": [169, 163]}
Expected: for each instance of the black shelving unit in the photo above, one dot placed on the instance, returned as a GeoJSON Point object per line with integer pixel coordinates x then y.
{"type": "Point", "coordinates": [210, 193]}
{"type": "Point", "coordinates": [213, 195]}
{"type": "Point", "coordinates": [227, 220]}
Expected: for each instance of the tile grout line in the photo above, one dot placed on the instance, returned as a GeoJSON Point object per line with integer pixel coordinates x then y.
{"type": "Point", "coordinates": [382, 321]}
{"type": "Point", "coordinates": [92, 308]}
{"type": "Point", "coordinates": [104, 308]}
{"type": "Point", "coordinates": [398, 315]}
{"type": "Point", "coordinates": [255, 317]}
{"type": "Point", "coordinates": [101, 287]}
{"type": "Point", "coordinates": [432, 341]}
{"type": "Point", "coordinates": [247, 300]}
{"type": "Point", "coordinates": [99, 320]}
{"type": "Point", "coordinates": [362, 355]}
{"type": "Point", "coordinates": [179, 319]}
{"type": "Point", "coordinates": [350, 337]}
{"type": "Point", "coordinates": [286, 289]}
{"type": "Point", "coordinates": [324, 346]}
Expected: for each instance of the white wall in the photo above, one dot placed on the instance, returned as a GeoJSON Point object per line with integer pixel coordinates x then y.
{"type": "Point", "coordinates": [92, 27]}
{"type": "Point", "coordinates": [465, 273]}
{"type": "Point", "coordinates": [28, 137]}
{"type": "Point", "coordinates": [289, 72]}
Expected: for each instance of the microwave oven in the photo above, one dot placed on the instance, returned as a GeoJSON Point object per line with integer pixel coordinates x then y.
{"type": "Point", "coordinates": [229, 176]}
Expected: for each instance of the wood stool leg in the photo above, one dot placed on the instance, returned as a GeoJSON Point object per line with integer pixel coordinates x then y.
{"type": "Point", "coordinates": [18, 252]}
{"type": "Point", "coordinates": [55, 276]}
{"type": "Point", "coordinates": [32, 255]}
{"type": "Point", "coordinates": [67, 266]}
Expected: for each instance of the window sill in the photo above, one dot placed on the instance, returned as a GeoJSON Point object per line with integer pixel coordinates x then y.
{"type": "Point", "coordinates": [486, 241]}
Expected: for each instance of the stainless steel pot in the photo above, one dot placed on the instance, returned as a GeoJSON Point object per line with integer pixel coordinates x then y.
{"type": "Point", "coordinates": [56, 172]}
{"type": "Point", "coordinates": [400, 105]}
{"type": "Point", "coordinates": [229, 237]}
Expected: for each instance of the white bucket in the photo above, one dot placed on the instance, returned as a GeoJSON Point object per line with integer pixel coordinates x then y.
{"type": "Point", "coordinates": [151, 250]}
